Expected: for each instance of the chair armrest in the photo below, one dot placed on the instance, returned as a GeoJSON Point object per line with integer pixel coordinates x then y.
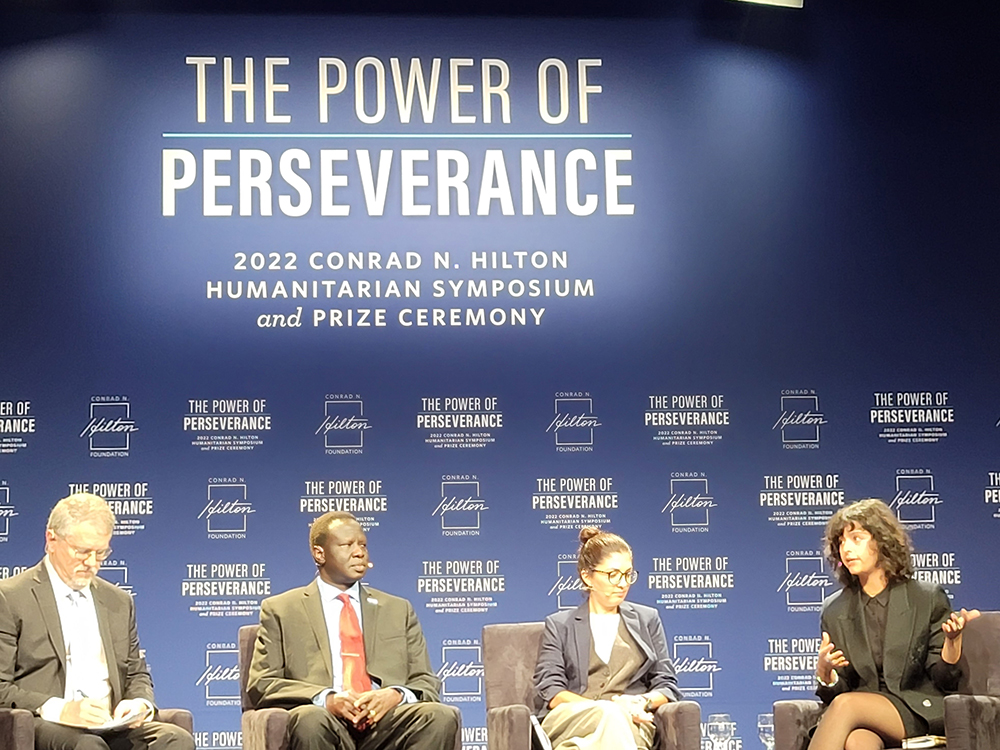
{"type": "Point", "coordinates": [458, 734]}
{"type": "Point", "coordinates": [792, 722]}
{"type": "Point", "coordinates": [678, 725]}
{"type": "Point", "coordinates": [179, 717]}
{"type": "Point", "coordinates": [17, 729]}
{"type": "Point", "coordinates": [972, 722]}
{"type": "Point", "coordinates": [508, 727]}
{"type": "Point", "coordinates": [265, 729]}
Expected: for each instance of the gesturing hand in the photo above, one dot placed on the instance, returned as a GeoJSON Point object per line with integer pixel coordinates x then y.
{"type": "Point", "coordinates": [955, 624]}
{"type": "Point", "coordinates": [830, 658]}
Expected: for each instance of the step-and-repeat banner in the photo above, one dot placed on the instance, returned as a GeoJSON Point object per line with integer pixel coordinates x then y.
{"type": "Point", "coordinates": [482, 283]}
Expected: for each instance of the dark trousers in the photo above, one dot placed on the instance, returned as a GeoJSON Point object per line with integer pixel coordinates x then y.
{"type": "Point", "coordinates": [408, 726]}
{"type": "Point", "coordinates": [153, 735]}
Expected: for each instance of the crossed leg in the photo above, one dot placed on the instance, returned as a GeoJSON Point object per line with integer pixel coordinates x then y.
{"type": "Point", "coordinates": [858, 721]}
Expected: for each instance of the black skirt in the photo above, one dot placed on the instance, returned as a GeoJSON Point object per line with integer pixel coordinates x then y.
{"type": "Point", "coordinates": [914, 724]}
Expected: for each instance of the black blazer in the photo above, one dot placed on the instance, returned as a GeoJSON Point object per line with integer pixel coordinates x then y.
{"type": "Point", "coordinates": [911, 662]}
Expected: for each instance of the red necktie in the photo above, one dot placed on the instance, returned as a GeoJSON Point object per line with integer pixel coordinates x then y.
{"type": "Point", "coordinates": [352, 649]}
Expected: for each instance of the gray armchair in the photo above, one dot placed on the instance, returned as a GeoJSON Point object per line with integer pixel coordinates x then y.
{"type": "Point", "coordinates": [267, 728]}
{"type": "Point", "coordinates": [17, 725]}
{"type": "Point", "coordinates": [509, 655]}
{"type": "Point", "coordinates": [263, 728]}
{"type": "Point", "coordinates": [971, 716]}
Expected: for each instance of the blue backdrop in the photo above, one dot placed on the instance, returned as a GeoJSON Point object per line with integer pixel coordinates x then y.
{"type": "Point", "coordinates": [634, 273]}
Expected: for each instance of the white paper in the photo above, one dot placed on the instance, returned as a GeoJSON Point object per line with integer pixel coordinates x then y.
{"type": "Point", "coordinates": [122, 723]}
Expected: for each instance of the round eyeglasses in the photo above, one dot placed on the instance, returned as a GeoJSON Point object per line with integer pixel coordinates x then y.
{"type": "Point", "coordinates": [618, 577]}
{"type": "Point", "coordinates": [83, 554]}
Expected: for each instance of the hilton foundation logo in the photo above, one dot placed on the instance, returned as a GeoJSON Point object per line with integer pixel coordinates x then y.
{"type": "Point", "coordinates": [461, 672]}
{"type": "Point", "coordinates": [695, 665]}
{"type": "Point", "coordinates": [344, 424]}
{"type": "Point", "coordinates": [116, 572]}
{"type": "Point", "coordinates": [689, 502]}
{"type": "Point", "coordinates": [806, 583]}
{"type": "Point", "coordinates": [800, 419]}
{"type": "Point", "coordinates": [461, 505]}
{"type": "Point", "coordinates": [221, 676]}
{"type": "Point", "coordinates": [109, 431]}
{"type": "Point", "coordinates": [567, 586]}
{"type": "Point", "coordinates": [574, 422]}
{"type": "Point", "coordinates": [7, 512]}
{"type": "Point", "coordinates": [915, 502]}
{"type": "Point", "coordinates": [226, 511]}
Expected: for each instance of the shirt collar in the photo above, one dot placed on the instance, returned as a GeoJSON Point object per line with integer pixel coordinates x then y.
{"type": "Point", "coordinates": [60, 588]}
{"type": "Point", "coordinates": [328, 592]}
{"type": "Point", "coordinates": [881, 598]}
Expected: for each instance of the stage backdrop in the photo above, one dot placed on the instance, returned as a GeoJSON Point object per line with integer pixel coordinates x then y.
{"type": "Point", "coordinates": [484, 282]}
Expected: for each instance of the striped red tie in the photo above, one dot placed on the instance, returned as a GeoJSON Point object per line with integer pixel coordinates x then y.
{"type": "Point", "coordinates": [352, 649]}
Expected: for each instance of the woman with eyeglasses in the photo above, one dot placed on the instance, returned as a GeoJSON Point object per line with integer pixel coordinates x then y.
{"type": "Point", "coordinates": [603, 667]}
{"type": "Point", "coordinates": [890, 645]}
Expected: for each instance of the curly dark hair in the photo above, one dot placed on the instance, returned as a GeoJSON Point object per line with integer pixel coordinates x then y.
{"type": "Point", "coordinates": [891, 540]}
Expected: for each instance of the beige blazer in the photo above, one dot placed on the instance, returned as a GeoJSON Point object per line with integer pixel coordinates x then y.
{"type": "Point", "coordinates": [292, 662]}
{"type": "Point", "coordinates": [32, 651]}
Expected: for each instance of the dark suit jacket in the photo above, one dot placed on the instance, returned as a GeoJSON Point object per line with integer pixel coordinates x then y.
{"type": "Point", "coordinates": [292, 661]}
{"type": "Point", "coordinates": [32, 652]}
{"type": "Point", "coordinates": [912, 664]}
{"type": "Point", "coordinates": [564, 656]}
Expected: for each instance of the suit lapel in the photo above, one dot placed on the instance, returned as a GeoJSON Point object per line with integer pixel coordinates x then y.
{"type": "Point", "coordinates": [369, 623]}
{"type": "Point", "coordinates": [631, 619]}
{"type": "Point", "coordinates": [581, 641]}
{"type": "Point", "coordinates": [898, 635]}
{"type": "Point", "coordinates": [317, 623]}
{"type": "Point", "coordinates": [104, 605]}
{"type": "Point", "coordinates": [42, 590]}
{"type": "Point", "coordinates": [855, 645]}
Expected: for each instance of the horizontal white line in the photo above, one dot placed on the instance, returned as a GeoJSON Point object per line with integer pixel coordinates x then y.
{"type": "Point", "coordinates": [357, 494]}
{"type": "Point", "coordinates": [404, 136]}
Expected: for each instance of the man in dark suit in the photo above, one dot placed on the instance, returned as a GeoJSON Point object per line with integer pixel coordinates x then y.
{"type": "Point", "coordinates": [69, 650]}
{"type": "Point", "coordinates": [349, 662]}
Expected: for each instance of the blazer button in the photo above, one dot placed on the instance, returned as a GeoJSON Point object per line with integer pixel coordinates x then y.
{"type": "Point", "coordinates": [927, 702]}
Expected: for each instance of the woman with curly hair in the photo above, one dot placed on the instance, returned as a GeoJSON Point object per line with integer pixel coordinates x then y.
{"type": "Point", "coordinates": [603, 667]}
{"type": "Point", "coordinates": [890, 645]}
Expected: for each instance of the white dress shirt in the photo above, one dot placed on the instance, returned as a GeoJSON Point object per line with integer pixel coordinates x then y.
{"type": "Point", "coordinates": [604, 630]}
{"type": "Point", "coordinates": [86, 663]}
{"type": "Point", "coordinates": [332, 607]}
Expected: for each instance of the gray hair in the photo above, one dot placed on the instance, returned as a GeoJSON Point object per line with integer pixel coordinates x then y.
{"type": "Point", "coordinates": [78, 508]}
